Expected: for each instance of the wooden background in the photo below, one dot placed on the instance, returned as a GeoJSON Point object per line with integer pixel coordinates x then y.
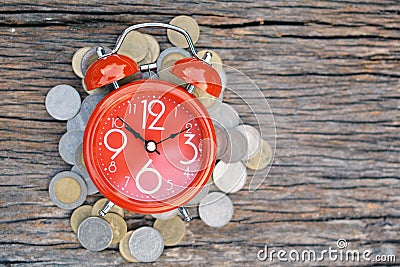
{"type": "Point", "coordinates": [330, 71]}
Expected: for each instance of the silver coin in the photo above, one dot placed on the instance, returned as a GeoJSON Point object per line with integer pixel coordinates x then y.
{"type": "Point", "coordinates": [80, 168]}
{"type": "Point", "coordinates": [150, 75]}
{"type": "Point", "coordinates": [224, 114]}
{"type": "Point", "coordinates": [91, 188]}
{"type": "Point", "coordinates": [69, 197]}
{"type": "Point", "coordinates": [63, 102]}
{"type": "Point", "coordinates": [95, 234]}
{"type": "Point", "coordinates": [165, 215]}
{"type": "Point", "coordinates": [90, 57]}
{"type": "Point", "coordinates": [196, 200]}
{"type": "Point", "coordinates": [222, 139]}
{"type": "Point", "coordinates": [229, 177]}
{"type": "Point", "coordinates": [146, 244]}
{"type": "Point", "coordinates": [68, 144]}
{"type": "Point", "coordinates": [237, 147]}
{"type": "Point", "coordinates": [76, 123]}
{"type": "Point", "coordinates": [89, 104]}
{"type": "Point", "coordinates": [166, 52]}
{"type": "Point", "coordinates": [216, 209]}
{"type": "Point", "coordinates": [253, 138]}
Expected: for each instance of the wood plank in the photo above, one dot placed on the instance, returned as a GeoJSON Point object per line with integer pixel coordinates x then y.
{"type": "Point", "coordinates": [330, 73]}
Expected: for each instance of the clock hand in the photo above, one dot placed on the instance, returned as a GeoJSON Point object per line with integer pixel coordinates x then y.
{"type": "Point", "coordinates": [129, 128]}
{"type": "Point", "coordinates": [173, 135]}
{"type": "Point", "coordinates": [150, 146]}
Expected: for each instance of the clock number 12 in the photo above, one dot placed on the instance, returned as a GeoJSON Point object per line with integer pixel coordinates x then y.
{"type": "Point", "coordinates": [148, 107]}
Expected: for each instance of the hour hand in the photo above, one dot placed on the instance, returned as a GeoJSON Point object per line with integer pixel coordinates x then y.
{"type": "Point", "coordinates": [129, 128]}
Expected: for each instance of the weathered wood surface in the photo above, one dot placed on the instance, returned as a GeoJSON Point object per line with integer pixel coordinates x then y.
{"type": "Point", "coordinates": [330, 71]}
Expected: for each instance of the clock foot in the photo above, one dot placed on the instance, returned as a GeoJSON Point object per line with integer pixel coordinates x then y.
{"type": "Point", "coordinates": [106, 208]}
{"type": "Point", "coordinates": [184, 214]}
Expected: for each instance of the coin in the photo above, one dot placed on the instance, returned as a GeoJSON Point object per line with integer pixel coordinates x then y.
{"type": "Point", "coordinates": [76, 123]}
{"type": "Point", "coordinates": [222, 139]}
{"type": "Point", "coordinates": [166, 75]}
{"type": "Point", "coordinates": [100, 90]}
{"type": "Point", "coordinates": [68, 144]}
{"type": "Point", "coordinates": [91, 188]}
{"type": "Point", "coordinates": [172, 54]}
{"type": "Point", "coordinates": [146, 244]}
{"type": "Point", "coordinates": [63, 102]}
{"type": "Point", "coordinates": [90, 57]}
{"type": "Point", "coordinates": [262, 159]}
{"type": "Point", "coordinates": [216, 209]}
{"type": "Point", "coordinates": [95, 234]}
{"type": "Point", "coordinates": [165, 215]}
{"type": "Point", "coordinates": [237, 147]}
{"type": "Point", "coordinates": [134, 46]}
{"type": "Point", "coordinates": [67, 190]}
{"type": "Point", "coordinates": [89, 104]}
{"type": "Point", "coordinates": [253, 139]}
{"type": "Point", "coordinates": [78, 159]}
{"type": "Point", "coordinates": [229, 177]}
{"type": "Point", "coordinates": [196, 200]}
{"type": "Point", "coordinates": [124, 247]}
{"type": "Point", "coordinates": [216, 60]}
{"type": "Point", "coordinates": [154, 47]}
{"type": "Point", "coordinates": [79, 215]}
{"type": "Point", "coordinates": [189, 25]}
{"type": "Point", "coordinates": [118, 226]}
{"type": "Point", "coordinates": [225, 114]}
{"type": "Point", "coordinates": [77, 60]}
{"type": "Point", "coordinates": [172, 230]}
{"type": "Point", "coordinates": [150, 75]}
{"type": "Point", "coordinates": [100, 204]}
{"type": "Point", "coordinates": [206, 99]}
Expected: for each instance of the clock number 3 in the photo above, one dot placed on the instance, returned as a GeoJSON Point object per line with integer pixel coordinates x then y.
{"type": "Point", "coordinates": [189, 135]}
{"type": "Point", "coordinates": [149, 108]}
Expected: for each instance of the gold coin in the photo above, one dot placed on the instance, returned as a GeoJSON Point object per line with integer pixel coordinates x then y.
{"type": "Point", "coordinates": [166, 75]}
{"type": "Point", "coordinates": [147, 58]}
{"type": "Point", "coordinates": [100, 204]}
{"type": "Point", "coordinates": [124, 248]}
{"type": "Point", "coordinates": [67, 190]}
{"type": "Point", "coordinates": [172, 230]}
{"type": "Point", "coordinates": [118, 226]}
{"type": "Point", "coordinates": [77, 59]}
{"type": "Point", "coordinates": [205, 98]}
{"type": "Point", "coordinates": [172, 57]}
{"type": "Point", "coordinates": [154, 47]}
{"type": "Point", "coordinates": [79, 215]}
{"type": "Point", "coordinates": [101, 90]}
{"type": "Point", "coordinates": [189, 25]}
{"type": "Point", "coordinates": [134, 46]}
{"type": "Point", "coordinates": [262, 159]}
{"type": "Point", "coordinates": [216, 60]}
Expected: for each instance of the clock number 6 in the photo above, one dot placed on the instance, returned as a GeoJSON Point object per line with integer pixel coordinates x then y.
{"type": "Point", "coordinates": [189, 137]}
{"type": "Point", "coordinates": [115, 149]}
{"type": "Point", "coordinates": [146, 168]}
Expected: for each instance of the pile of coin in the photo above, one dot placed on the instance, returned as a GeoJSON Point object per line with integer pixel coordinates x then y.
{"type": "Point", "coordinates": [239, 146]}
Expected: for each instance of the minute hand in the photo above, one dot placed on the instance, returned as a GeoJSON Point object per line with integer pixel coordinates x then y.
{"type": "Point", "coordinates": [129, 128]}
{"type": "Point", "coordinates": [173, 135]}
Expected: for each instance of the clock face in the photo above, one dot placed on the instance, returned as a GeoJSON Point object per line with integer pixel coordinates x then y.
{"type": "Point", "coordinates": [149, 146]}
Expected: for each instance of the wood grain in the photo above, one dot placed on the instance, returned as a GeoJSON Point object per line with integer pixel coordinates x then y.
{"type": "Point", "coordinates": [330, 73]}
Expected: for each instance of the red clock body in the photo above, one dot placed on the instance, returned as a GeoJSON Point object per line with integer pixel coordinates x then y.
{"type": "Point", "coordinates": [149, 146]}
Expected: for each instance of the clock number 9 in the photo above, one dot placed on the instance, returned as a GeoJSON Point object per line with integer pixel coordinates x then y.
{"type": "Point", "coordinates": [149, 108]}
{"type": "Point", "coordinates": [189, 135]}
{"type": "Point", "coordinates": [116, 150]}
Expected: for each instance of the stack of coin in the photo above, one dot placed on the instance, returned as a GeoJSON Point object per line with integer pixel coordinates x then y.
{"type": "Point", "coordinates": [239, 146]}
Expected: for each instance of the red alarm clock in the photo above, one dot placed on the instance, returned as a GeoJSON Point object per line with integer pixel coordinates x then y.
{"type": "Point", "coordinates": [150, 146]}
